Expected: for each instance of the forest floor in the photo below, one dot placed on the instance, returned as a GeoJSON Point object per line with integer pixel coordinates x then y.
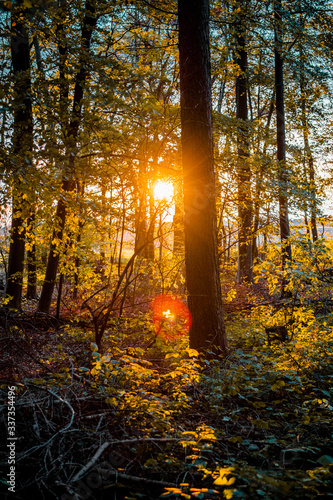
{"type": "Point", "coordinates": [147, 417]}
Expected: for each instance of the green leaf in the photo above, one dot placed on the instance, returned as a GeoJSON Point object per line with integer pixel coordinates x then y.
{"type": "Point", "coordinates": [325, 460]}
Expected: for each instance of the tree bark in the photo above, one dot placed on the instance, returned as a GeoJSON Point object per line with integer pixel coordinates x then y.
{"type": "Point", "coordinates": [281, 137]}
{"type": "Point", "coordinates": [259, 180]}
{"type": "Point", "coordinates": [178, 222]}
{"type": "Point", "coordinates": [141, 203]}
{"type": "Point", "coordinates": [207, 331]}
{"type": "Point", "coordinates": [22, 155]}
{"type": "Point", "coordinates": [245, 208]}
{"type": "Point", "coordinates": [68, 182]}
{"type": "Point", "coordinates": [31, 258]}
{"type": "Point", "coordinates": [308, 153]}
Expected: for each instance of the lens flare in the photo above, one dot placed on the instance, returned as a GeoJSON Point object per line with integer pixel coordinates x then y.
{"type": "Point", "coordinates": [172, 319]}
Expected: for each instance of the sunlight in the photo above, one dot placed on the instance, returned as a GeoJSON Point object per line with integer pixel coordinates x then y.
{"type": "Point", "coordinates": [172, 318]}
{"type": "Point", "coordinates": [168, 315]}
{"type": "Point", "coordinates": [163, 191]}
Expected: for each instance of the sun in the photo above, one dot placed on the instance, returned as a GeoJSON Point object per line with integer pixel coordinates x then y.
{"type": "Point", "coordinates": [163, 191]}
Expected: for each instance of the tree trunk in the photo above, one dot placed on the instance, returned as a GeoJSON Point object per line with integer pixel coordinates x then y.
{"type": "Point", "coordinates": [245, 209]}
{"type": "Point", "coordinates": [54, 255]}
{"type": "Point", "coordinates": [80, 186]}
{"type": "Point", "coordinates": [313, 201]}
{"type": "Point", "coordinates": [281, 138]}
{"type": "Point", "coordinates": [31, 258]}
{"type": "Point", "coordinates": [259, 180]}
{"type": "Point", "coordinates": [178, 222]}
{"type": "Point", "coordinates": [141, 204]}
{"type": "Point", "coordinates": [150, 248]}
{"type": "Point", "coordinates": [308, 154]}
{"type": "Point", "coordinates": [78, 262]}
{"type": "Point", "coordinates": [68, 183]}
{"type": "Point", "coordinates": [102, 235]}
{"type": "Point", "coordinates": [21, 157]}
{"type": "Point", "coordinates": [201, 256]}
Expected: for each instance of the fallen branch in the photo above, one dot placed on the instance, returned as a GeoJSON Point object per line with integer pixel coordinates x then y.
{"type": "Point", "coordinates": [91, 462]}
{"type": "Point", "coordinates": [105, 445]}
{"type": "Point", "coordinates": [136, 479]}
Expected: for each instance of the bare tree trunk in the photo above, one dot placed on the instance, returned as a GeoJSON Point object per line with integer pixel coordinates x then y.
{"type": "Point", "coordinates": [80, 186]}
{"type": "Point", "coordinates": [259, 180]}
{"type": "Point", "coordinates": [122, 234]}
{"type": "Point", "coordinates": [54, 255]}
{"type": "Point", "coordinates": [201, 256]}
{"type": "Point", "coordinates": [245, 209]}
{"type": "Point", "coordinates": [308, 154]}
{"type": "Point", "coordinates": [150, 248]}
{"type": "Point", "coordinates": [31, 258]}
{"type": "Point", "coordinates": [102, 248]}
{"type": "Point", "coordinates": [281, 138]}
{"type": "Point", "coordinates": [21, 157]}
{"type": "Point", "coordinates": [141, 204]}
{"type": "Point", "coordinates": [71, 134]}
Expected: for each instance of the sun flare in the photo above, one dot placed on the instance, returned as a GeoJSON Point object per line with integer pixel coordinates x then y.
{"type": "Point", "coordinates": [163, 191]}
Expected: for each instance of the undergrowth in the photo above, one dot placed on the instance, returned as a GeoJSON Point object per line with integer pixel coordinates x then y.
{"type": "Point", "coordinates": [148, 417]}
{"type": "Point", "coordinates": [256, 424]}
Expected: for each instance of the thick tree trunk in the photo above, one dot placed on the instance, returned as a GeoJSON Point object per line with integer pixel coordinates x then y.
{"type": "Point", "coordinates": [22, 153]}
{"type": "Point", "coordinates": [16, 258]}
{"type": "Point", "coordinates": [68, 183]}
{"type": "Point", "coordinates": [281, 138]}
{"type": "Point", "coordinates": [245, 209]}
{"type": "Point", "coordinates": [201, 256]}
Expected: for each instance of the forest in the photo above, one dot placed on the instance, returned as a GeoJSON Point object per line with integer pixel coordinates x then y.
{"type": "Point", "coordinates": [166, 239]}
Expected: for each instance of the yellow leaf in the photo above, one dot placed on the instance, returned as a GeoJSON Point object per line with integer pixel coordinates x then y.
{"type": "Point", "coordinates": [171, 355]}
{"type": "Point", "coordinates": [228, 494]}
{"type": "Point", "coordinates": [192, 352]}
{"type": "Point", "coordinates": [223, 481]}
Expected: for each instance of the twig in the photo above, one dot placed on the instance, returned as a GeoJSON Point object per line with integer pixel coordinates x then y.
{"type": "Point", "coordinates": [88, 466]}
{"type": "Point", "coordinates": [136, 440]}
{"type": "Point", "coordinates": [136, 479]}
{"type": "Point", "coordinates": [34, 448]}
{"type": "Point", "coordinates": [105, 445]}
